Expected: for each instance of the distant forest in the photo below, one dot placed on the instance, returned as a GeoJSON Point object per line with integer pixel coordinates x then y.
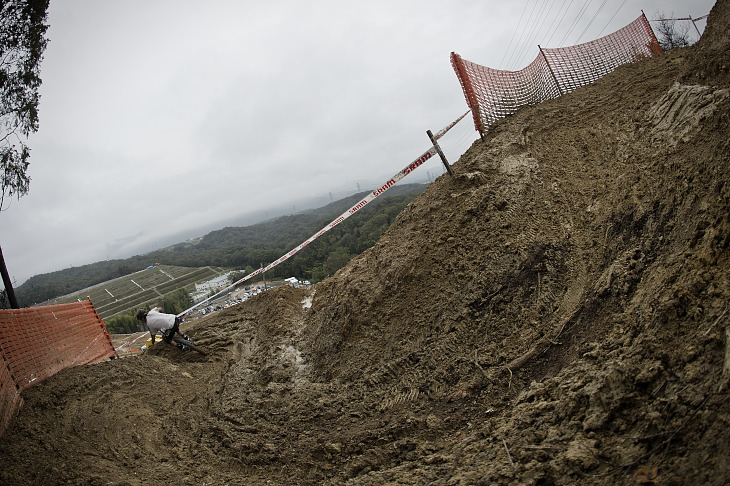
{"type": "Point", "coordinates": [246, 248]}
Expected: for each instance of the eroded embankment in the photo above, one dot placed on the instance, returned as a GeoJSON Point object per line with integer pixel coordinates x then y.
{"type": "Point", "coordinates": [554, 313]}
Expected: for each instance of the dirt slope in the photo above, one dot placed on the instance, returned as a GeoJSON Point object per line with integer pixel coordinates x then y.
{"type": "Point", "coordinates": [555, 313]}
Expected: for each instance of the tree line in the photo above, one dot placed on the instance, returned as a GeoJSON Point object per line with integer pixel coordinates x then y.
{"type": "Point", "coordinates": [246, 248]}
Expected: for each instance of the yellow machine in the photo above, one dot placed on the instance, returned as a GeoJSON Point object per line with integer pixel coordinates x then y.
{"type": "Point", "coordinates": [148, 343]}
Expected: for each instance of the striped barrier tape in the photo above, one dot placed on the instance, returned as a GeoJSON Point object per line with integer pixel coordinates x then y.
{"type": "Point", "coordinates": [130, 341]}
{"type": "Point", "coordinates": [361, 204]}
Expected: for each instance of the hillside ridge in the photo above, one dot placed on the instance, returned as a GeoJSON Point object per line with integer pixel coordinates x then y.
{"type": "Point", "coordinates": [268, 238]}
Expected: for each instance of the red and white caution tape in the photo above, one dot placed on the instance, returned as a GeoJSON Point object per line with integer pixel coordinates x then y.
{"type": "Point", "coordinates": [361, 204]}
{"type": "Point", "coordinates": [129, 342]}
{"type": "Point", "coordinates": [443, 131]}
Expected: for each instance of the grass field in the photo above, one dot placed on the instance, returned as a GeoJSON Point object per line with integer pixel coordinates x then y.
{"type": "Point", "coordinates": [132, 291]}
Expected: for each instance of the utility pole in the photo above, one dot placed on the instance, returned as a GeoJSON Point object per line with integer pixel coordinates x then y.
{"type": "Point", "coordinates": [8, 284]}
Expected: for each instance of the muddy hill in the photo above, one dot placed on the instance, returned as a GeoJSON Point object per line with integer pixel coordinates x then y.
{"type": "Point", "coordinates": [557, 312]}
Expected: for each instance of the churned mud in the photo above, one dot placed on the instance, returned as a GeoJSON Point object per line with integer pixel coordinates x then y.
{"type": "Point", "coordinates": [554, 313]}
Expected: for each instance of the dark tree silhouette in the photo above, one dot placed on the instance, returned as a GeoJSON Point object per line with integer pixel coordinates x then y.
{"type": "Point", "coordinates": [672, 35]}
{"type": "Point", "coordinates": [22, 43]}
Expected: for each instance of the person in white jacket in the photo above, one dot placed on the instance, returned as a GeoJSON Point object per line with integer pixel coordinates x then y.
{"type": "Point", "coordinates": [167, 324]}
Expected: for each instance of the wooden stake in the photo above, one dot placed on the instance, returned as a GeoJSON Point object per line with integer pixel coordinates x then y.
{"type": "Point", "coordinates": [547, 63]}
{"type": "Point", "coordinates": [695, 26]}
{"type": "Point", "coordinates": [441, 154]}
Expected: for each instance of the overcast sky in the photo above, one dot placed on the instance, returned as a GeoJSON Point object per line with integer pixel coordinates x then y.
{"type": "Point", "coordinates": [159, 117]}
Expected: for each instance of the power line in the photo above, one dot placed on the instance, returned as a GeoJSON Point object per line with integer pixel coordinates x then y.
{"type": "Point", "coordinates": [509, 62]}
{"type": "Point", "coordinates": [612, 16]}
{"type": "Point", "coordinates": [530, 38]}
{"type": "Point", "coordinates": [591, 22]}
{"type": "Point", "coordinates": [575, 22]}
{"type": "Point", "coordinates": [534, 40]}
{"type": "Point", "coordinates": [547, 43]}
{"type": "Point", "coordinates": [520, 44]}
{"type": "Point", "coordinates": [501, 63]}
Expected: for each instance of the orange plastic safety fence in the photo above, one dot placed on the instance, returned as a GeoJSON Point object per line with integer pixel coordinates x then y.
{"type": "Point", "coordinates": [38, 342]}
{"type": "Point", "coordinates": [493, 94]}
{"type": "Point", "coordinates": [10, 399]}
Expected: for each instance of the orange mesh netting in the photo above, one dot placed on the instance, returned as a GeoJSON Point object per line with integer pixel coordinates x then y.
{"type": "Point", "coordinates": [38, 342]}
{"type": "Point", "coordinates": [493, 94]}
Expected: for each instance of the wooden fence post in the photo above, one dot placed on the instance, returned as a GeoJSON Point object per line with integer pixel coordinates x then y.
{"type": "Point", "coordinates": [560, 90]}
{"type": "Point", "coordinates": [441, 154]}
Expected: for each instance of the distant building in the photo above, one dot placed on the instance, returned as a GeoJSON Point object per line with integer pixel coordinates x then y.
{"type": "Point", "coordinates": [217, 283]}
{"type": "Point", "coordinates": [203, 289]}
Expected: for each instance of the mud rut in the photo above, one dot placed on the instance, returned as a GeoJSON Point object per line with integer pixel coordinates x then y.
{"type": "Point", "coordinates": [555, 313]}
